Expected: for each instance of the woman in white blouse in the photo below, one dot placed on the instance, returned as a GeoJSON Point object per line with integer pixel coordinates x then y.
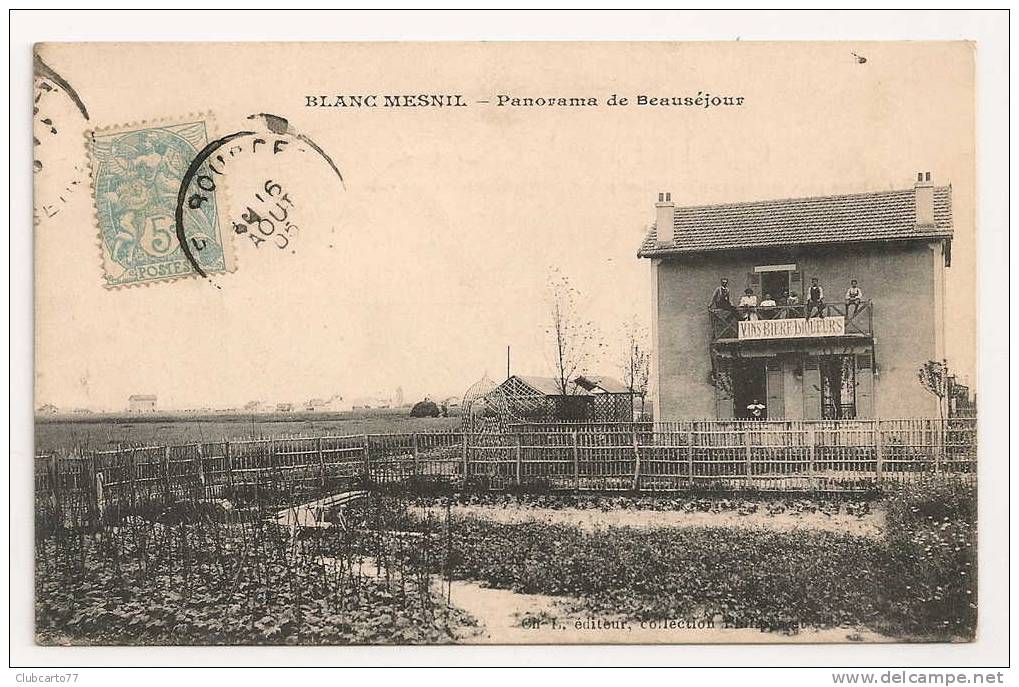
{"type": "Point", "coordinates": [748, 305]}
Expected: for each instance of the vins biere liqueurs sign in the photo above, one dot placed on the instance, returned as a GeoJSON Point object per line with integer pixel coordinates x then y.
{"type": "Point", "coordinates": [792, 328]}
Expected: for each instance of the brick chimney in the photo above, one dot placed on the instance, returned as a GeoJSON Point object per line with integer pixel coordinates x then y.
{"type": "Point", "coordinates": [924, 190]}
{"type": "Point", "coordinates": [664, 212]}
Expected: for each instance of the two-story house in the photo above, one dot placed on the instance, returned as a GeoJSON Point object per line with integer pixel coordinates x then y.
{"type": "Point", "coordinates": [725, 354]}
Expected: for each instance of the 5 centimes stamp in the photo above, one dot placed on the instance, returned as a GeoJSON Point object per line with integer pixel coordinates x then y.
{"type": "Point", "coordinates": [137, 172]}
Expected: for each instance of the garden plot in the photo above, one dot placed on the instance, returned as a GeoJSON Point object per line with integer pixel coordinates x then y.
{"type": "Point", "coordinates": [913, 580]}
{"type": "Point", "coordinates": [869, 524]}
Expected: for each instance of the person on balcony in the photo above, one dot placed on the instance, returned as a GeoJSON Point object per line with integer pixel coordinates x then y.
{"type": "Point", "coordinates": [792, 305]}
{"type": "Point", "coordinates": [815, 299]}
{"type": "Point", "coordinates": [755, 411]}
{"type": "Point", "coordinates": [768, 306]}
{"type": "Point", "coordinates": [748, 305]}
{"type": "Point", "coordinates": [854, 295]}
{"type": "Point", "coordinates": [720, 298]}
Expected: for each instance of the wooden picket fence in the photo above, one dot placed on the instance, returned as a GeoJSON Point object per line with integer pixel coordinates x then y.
{"type": "Point", "coordinates": [780, 456]}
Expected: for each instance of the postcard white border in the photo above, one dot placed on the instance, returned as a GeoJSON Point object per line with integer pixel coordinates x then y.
{"type": "Point", "coordinates": [990, 31]}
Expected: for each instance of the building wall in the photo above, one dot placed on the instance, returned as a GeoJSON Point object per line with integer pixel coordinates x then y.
{"type": "Point", "coordinates": [905, 281]}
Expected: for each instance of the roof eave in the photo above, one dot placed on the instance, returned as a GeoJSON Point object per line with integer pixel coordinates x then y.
{"type": "Point", "coordinates": [673, 251]}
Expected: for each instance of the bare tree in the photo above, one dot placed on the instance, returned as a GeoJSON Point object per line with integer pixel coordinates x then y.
{"type": "Point", "coordinates": [933, 376]}
{"type": "Point", "coordinates": [574, 341]}
{"type": "Point", "coordinates": [637, 364]}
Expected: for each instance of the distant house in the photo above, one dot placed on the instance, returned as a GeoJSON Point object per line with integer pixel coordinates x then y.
{"type": "Point", "coordinates": [284, 407]}
{"type": "Point", "coordinates": [587, 398]}
{"type": "Point", "coordinates": [372, 402]}
{"type": "Point", "coordinates": [47, 409]}
{"type": "Point", "coordinates": [141, 403]}
{"type": "Point", "coordinates": [318, 405]}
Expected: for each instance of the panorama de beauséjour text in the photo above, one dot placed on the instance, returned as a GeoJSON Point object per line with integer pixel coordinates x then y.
{"type": "Point", "coordinates": [697, 100]}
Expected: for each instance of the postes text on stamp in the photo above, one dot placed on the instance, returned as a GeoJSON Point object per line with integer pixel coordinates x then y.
{"type": "Point", "coordinates": [137, 173]}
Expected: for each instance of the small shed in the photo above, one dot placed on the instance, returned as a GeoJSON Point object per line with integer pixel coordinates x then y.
{"type": "Point", "coordinates": [586, 398]}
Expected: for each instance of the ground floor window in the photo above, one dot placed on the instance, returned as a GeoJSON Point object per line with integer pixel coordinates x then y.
{"type": "Point", "coordinates": [838, 387]}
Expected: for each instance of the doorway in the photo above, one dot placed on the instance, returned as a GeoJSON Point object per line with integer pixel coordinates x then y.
{"type": "Point", "coordinates": [749, 386]}
{"type": "Point", "coordinates": [838, 387]}
{"type": "Point", "coordinates": [774, 283]}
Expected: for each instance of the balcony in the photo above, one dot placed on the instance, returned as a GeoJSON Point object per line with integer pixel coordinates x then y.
{"type": "Point", "coordinates": [789, 322]}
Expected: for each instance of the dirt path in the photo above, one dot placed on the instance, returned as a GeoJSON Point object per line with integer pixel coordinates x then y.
{"type": "Point", "coordinates": [505, 617]}
{"type": "Point", "coordinates": [870, 525]}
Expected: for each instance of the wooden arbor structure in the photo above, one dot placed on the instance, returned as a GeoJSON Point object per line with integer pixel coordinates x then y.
{"type": "Point", "coordinates": [588, 398]}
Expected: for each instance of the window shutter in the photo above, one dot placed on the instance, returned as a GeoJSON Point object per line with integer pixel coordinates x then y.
{"type": "Point", "coordinates": [723, 406]}
{"type": "Point", "coordinates": [811, 389]}
{"type": "Point", "coordinates": [796, 284]}
{"type": "Point", "coordinates": [865, 386]}
{"type": "Point", "coordinates": [776, 389]}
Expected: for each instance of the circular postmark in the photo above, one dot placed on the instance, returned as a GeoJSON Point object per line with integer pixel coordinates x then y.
{"type": "Point", "coordinates": [59, 169]}
{"type": "Point", "coordinates": [265, 211]}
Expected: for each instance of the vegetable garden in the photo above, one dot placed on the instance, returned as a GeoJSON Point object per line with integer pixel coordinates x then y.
{"type": "Point", "coordinates": [191, 553]}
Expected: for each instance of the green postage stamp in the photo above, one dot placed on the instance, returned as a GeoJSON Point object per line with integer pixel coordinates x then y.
{"type": "Point", "coordinates": [137, 173]}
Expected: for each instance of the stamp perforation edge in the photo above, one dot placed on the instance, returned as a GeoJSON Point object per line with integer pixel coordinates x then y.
{"type": "Point", "coordinates": [221, 191]}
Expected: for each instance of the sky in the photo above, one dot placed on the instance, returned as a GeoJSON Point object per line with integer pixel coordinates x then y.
{"type": "Point", "coordinates": [433, 256]}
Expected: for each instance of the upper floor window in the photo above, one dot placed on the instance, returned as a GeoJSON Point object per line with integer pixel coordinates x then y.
{"type": "Point", "coordinates": [778, 282]}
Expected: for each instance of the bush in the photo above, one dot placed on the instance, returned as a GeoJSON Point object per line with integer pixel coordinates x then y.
{"type": "Point", "coordinates": [931, 581]}
{"type": "Point", "coordinates": [424, 409]}
{"type": "Point", "coordinates": [931, 499]}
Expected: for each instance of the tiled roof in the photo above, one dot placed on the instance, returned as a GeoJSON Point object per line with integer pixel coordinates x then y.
{"type": "Point", "coordinates": [877, 216]}
{"type": "Point", "coordinates": [547, 386]}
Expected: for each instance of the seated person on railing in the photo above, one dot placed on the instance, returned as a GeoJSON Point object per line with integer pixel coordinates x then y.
{"type": "Point", "coordinates": [768, 306]}
{"type": "Point", "coordinates": [748, 305]}
{"type": "Point", "coordinates": [720, 298]}
{"type": "Point", "coordinates": [815, 299]}
{"type": "Point", "coordinates": [854, 295]}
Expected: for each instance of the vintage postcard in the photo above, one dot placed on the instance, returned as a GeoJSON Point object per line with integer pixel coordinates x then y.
{"type": "Point", "coordinates": [505, 343]}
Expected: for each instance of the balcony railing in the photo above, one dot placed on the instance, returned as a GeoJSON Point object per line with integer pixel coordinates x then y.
{"type": "Point", "coordinates": [777, 322]}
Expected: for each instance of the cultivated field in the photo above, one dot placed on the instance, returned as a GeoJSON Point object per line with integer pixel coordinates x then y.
{"type": "Point", "coordinates": [420, 567]}
{"type": "Point", "coordinates": [109, 431]}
